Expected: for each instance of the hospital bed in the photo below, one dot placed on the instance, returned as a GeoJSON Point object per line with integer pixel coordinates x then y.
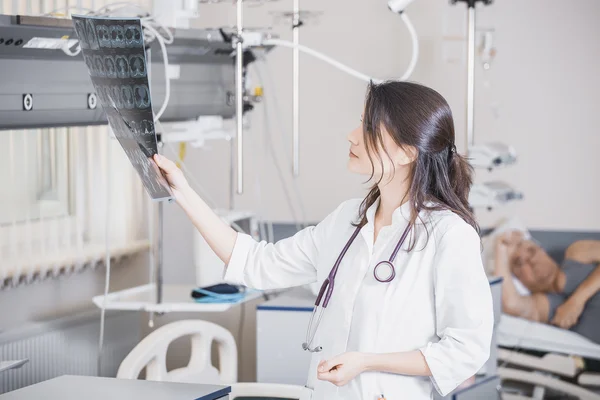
{"type": "Point", "coordinates": [558, 368]}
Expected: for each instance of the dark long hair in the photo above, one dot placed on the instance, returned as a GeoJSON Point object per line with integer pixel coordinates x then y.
{"type": "Point", "coordinates": [415, 115]}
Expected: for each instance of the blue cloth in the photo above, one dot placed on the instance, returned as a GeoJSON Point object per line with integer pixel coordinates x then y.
{"type": "Point", "coordinates": [211, 297]}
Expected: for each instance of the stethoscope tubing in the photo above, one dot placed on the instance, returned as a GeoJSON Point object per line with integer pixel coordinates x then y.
{"type": "Point", "coordinates": [327, 287]}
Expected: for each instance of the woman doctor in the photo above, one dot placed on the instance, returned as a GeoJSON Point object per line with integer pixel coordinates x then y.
{"type": "Point", "coordinates": [408, 306]}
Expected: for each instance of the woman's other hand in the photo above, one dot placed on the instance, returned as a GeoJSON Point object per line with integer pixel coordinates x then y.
{"type": "Point", "coordinates": [342, 369]}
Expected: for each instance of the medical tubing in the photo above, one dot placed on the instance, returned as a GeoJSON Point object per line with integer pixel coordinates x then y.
{"type": "Point", "coordinates": [347, 69]}
{"type": "Point", "coordinates": [310, 333]}
{"type": "Point", "coordinates": [321, 56]}
{"type": "Point", "coordinates": [400, 242]}
{"type": "Point", "coordinates": [336, 266]}
{"type": "Point", "coordinates": [150, 18]}
{"type": "Point", "coordinates": [106, 8]}
{"type": "Point", "coordinates": [147, 23]}
{"type": "Point", "coordinates": [163, 48]}
{"type": "Point", "coordinates": [415, 46]}
{"type": "Point", "coordinates": [66, 8]}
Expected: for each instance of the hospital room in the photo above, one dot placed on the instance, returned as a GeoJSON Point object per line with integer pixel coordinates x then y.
{"type": "Point", "coordinates": [299, 199]}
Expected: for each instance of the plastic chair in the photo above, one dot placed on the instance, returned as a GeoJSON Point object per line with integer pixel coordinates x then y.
{"type": "Point", "coordinates": [151, 353]}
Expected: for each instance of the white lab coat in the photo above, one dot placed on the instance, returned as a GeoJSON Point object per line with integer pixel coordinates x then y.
{"type": "Point", "coordinates": [439, 302]}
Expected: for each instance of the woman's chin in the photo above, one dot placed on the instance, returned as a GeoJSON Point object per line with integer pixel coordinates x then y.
{"type": "Point", "coordinates": [353, 167]}
{"type": "Point", "coordinates": [358, 171]}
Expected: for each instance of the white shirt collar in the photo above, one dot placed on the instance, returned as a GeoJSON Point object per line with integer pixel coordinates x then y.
{"type": "Point", "coordinates": [400, 214]}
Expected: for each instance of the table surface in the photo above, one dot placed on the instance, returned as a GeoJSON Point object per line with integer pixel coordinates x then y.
{"type": "Point", "coordinates": [297, 299]}
{"type": "Point", "coordinates": [69, 387]}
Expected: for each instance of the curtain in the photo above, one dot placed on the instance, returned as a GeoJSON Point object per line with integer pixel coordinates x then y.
{"type": "Point", "coordinates": [68, 192]}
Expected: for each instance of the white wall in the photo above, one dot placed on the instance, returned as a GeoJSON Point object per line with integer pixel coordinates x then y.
{"type": "Point", "coordinates": [539, 95]}
{"type": "Point", "coordinates": [546, 84]}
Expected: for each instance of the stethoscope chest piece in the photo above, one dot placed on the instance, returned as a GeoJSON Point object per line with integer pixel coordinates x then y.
{"type": "Point", "coordinates": [384, 271]}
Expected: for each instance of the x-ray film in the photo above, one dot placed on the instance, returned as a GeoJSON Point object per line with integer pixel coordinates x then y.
{"type": "Point", "coordinates": [113, 51]}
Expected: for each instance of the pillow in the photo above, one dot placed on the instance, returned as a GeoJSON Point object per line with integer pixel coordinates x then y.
{"type": "Point", "coordinates": [489, 247]}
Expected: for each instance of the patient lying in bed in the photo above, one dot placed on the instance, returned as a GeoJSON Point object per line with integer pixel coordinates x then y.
{"type": "Point", "coordinates": [567, 296]}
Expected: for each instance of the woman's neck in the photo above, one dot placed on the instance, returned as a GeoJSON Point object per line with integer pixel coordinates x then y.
{"type": "Point", "coordinates": [391, 196]}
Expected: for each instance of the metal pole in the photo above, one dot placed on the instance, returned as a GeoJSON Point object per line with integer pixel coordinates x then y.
{"type": "Point", "coordinates": [159, 264]}
{"type": "Point", "coordinates": [471, 79]}
{"type": "Point", "coordinates": [239, 99]}
{"type": "Point", "coordinates": [231, 174]}
{"type": "Point", "coordinates": [296, 88]}
{"type": "Point", "coordinates": [154, 241]}
{"type": "Point", "coordinates": [151, 253]}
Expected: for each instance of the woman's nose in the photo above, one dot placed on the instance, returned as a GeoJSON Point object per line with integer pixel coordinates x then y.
{"type": "Point", "coordinates": [353, 137]}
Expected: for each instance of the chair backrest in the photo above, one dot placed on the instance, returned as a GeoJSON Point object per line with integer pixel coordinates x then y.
{"type": "Point", "coordinates": [151, 353]}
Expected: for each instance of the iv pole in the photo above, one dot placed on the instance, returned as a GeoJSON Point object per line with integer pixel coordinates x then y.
{"type": "Point", "coordinates": [296, 23]}
{"type": "Point", "coordinates": [157, 264]}
{"type": "Point", "coordinates": [239, 97]}
{"type": "Point", "coordinates": [470, 138]}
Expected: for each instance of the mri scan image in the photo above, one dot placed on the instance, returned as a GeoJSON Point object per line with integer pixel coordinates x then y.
{"type": "Point", "coordinates": [127, 97]}
{"type": "Point", "coordinates": [103, 35]}
{"type": "Point", "coordinates": [137, 66]}
{"type": "Point", "coordinates": [117, 36]}
{"type": "Point", "coordinates": [109, 67]}
{"type": "Point", "coordinates": [114, 55]}
{"type": "Point", "coordinates": [100, 69]}
{"type": "Point", "coordinates": [122, 67]}
{"type": "Point", "coordinates": [142, 96]}
{"type": "Point", "coordinates": [133, 36]}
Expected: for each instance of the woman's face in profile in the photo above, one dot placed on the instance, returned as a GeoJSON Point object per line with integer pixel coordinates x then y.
{"type": "Point", "coordinates": [387, 157]}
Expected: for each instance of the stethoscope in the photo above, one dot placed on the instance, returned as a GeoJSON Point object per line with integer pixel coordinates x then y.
{"type": "Point", "coordinates": [384, 272]}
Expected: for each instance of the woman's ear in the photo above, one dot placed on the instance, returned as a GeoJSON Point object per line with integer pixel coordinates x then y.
{"type": "Point", "coordinates": [406, 155]}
